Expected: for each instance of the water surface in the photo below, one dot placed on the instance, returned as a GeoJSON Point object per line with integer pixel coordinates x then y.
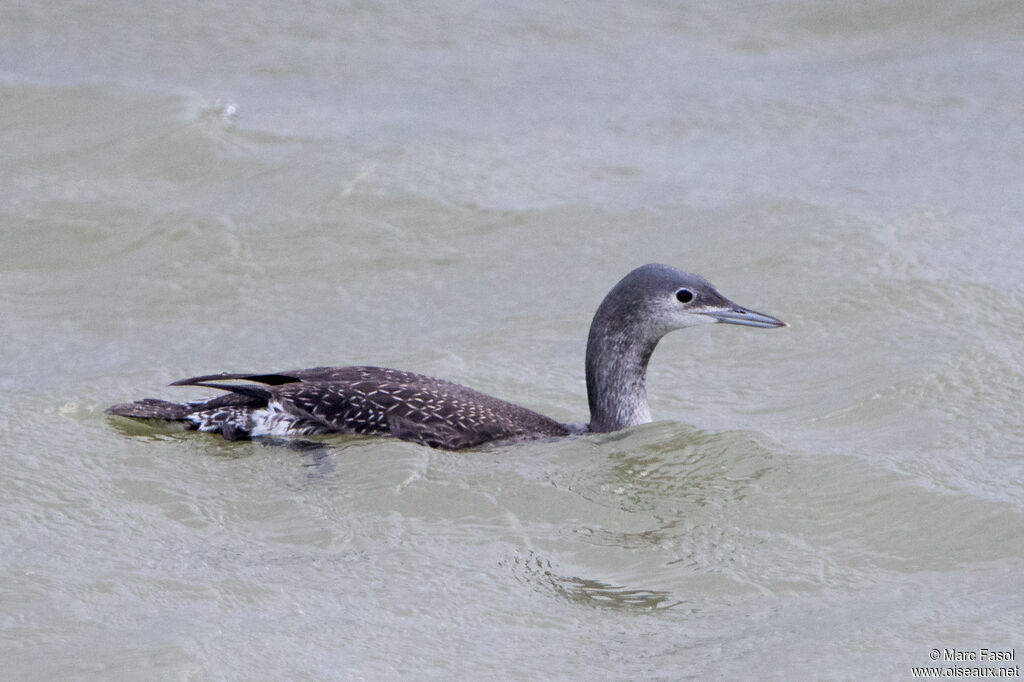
{"type": "Point", "coordinates": [192, 188]}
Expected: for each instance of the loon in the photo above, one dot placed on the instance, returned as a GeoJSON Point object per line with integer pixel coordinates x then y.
{"type": "Point", "coordinates": [646, 304]}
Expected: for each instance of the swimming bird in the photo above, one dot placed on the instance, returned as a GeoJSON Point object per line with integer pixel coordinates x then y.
{"type": "Point", "coordinates": [646, 304]}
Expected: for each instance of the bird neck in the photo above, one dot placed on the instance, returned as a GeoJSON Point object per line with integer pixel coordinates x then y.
{"type": "Point", "coordinates": [618, 349]}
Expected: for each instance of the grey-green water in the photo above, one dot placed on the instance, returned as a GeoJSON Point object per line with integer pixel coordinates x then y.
{"type": "Point", "coordinates": [452, 189]}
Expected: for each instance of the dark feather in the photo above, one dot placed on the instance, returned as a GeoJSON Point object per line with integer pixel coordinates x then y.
{"type": "Point", "coordinates": [269, 379]}
{"type": "Point", "coordinates": [150, 408]}
{"type": "Point", "coordinates": [368, 400]}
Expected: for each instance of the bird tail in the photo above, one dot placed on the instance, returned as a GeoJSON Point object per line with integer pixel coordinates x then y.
{"type": "Point", "coordinates": [238, 396]}
{"type": "Point", "coordinates": [151, 408]}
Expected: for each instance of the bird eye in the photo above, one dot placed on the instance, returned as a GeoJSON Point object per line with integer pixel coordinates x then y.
{"type": "Point", "coordinates": [684, 295]}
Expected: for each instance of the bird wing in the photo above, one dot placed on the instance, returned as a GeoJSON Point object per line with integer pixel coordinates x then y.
{"type": "Point", "coordinates": [409, 406]}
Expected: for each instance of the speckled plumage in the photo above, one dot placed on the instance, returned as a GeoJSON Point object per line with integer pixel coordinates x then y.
{"type": "Point", "coordinates": [366, 400]}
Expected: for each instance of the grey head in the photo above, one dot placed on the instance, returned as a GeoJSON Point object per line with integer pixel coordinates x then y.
{"type": "Point", "coordinates": [646, 304]}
